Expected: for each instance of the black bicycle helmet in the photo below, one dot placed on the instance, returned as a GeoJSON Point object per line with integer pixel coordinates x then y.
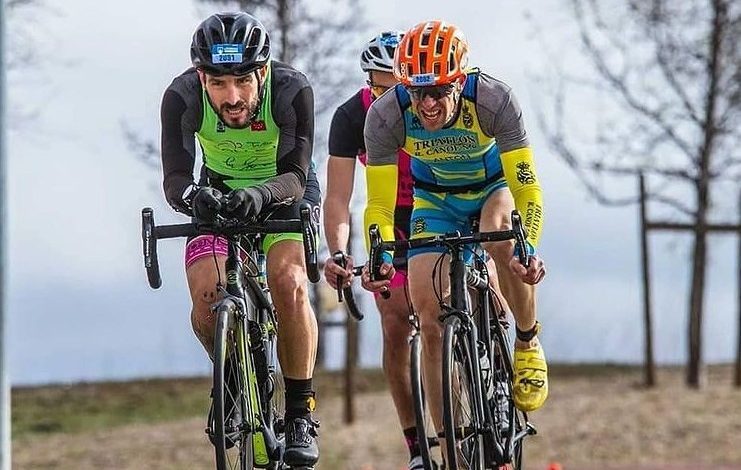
{"type": "Point", "coordinates": [230, 43]}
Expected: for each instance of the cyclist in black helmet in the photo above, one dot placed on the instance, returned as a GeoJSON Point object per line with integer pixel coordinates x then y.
{"type": "Point", "coordinates": [253, 119]}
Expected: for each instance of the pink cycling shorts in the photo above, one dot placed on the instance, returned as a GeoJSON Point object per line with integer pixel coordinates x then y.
{"type": "Point", "coordinates": [398, 281]}
{"type": "Point", "coordinates": [204, 245]}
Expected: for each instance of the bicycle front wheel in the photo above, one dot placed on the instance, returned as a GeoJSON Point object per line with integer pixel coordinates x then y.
{"type": "Point", "coordinates": [231, 435]}
{"type": "Point", "coordinates": [422, 422]}
{"type": "Point", "coordinates": [461, 418]}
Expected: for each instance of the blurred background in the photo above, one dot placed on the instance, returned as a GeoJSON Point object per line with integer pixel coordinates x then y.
{"type": "Point", "coordinates": [607, 87]}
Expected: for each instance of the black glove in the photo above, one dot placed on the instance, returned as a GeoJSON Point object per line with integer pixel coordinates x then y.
{"type": "Point", "coordinates": [207, 204]}
{"type": "Point", "coordinates": [244, 204]}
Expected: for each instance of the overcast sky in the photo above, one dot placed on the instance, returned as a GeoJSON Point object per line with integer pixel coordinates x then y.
{"type": "Point", "coordinates": [79, 306]}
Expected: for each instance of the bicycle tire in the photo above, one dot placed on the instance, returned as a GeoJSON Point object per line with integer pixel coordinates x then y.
{"type": "Point", "coordinates": [503, 375]}
{"type": "Point", "coordinates": [463, 439]}
{"type": "Point", "coordinates": [418, 398]}
{"type": "Point", "coordinates": [232, 440]}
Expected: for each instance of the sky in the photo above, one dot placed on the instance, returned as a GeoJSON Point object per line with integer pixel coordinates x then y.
{"type": "Point", "coordinates": [79, 307]}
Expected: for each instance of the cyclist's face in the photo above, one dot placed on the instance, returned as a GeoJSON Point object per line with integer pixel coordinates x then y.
{"type": "Point", "coordinates": [436, 109]}
{"type": "Point", "coordinates": [234, 98]}
{"type": "Point", "coordinates": [380, 82]}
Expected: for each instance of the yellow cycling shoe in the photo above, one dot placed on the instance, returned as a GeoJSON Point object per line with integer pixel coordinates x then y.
{"type": "Point", "coordinates": [531, 378]}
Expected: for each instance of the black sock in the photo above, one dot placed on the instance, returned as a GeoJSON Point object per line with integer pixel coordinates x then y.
{"type": "Point", "coordinates": [410, 434]}
{"type": "Point", "coordinates": [299, 397]}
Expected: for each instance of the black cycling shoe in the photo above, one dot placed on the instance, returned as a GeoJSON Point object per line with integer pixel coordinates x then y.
{"type": "Point", "coordinates": [302, 450]}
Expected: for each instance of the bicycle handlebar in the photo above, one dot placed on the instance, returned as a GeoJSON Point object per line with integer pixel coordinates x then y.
{"type": "Point", "coordinates": [225, 227]}
{"type": "Point", "coordinates": [378, 246]}
{"type": "Point", "coordinates": [352, 308]}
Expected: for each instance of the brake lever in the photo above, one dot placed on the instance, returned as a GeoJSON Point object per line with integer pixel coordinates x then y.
{"type": "Point", "coordinates": [340, 260]}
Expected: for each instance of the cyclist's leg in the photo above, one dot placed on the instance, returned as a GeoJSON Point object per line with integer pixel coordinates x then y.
{"type": "Point", "coordinates": [297, 345]}
{"type": "Point", "coordinates": [297, 332]}
{"type": "Point", "coordinates": [202, 256]}
{"type": "Point", "coordinates": [531, 388]}
{"type": "Point", "coordinates": [421, 288]}
{"type": "Point", "coordinates": [431, 217]}
{"type": "Point", "coordinates": [396, 328]}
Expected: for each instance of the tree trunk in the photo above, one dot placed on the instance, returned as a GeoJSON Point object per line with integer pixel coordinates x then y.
{"type": "Point", "coordinates": [284, 25]}
{"type": "Point", "coordinates": [694, 366]}
{"type": "Point", "coordinates": [711, 130]}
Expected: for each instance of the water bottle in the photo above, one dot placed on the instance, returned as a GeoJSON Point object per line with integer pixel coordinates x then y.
{"type": "Point", "coordinates": [487, 385]}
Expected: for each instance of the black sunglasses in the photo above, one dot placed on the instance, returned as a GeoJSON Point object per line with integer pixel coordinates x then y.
{"type": "Point", "coordinates": [434, 92]}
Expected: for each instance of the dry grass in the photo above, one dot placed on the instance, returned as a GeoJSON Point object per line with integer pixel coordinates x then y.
{"type": "Point", "coordinates": [596, 419]}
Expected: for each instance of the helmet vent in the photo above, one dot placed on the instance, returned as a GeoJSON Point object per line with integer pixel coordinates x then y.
{"type": "Point", "coordinates": [439, 46]}
{"type": "Point", "coordinates": [254, 38]}
{"type": "Point", "coordinates": [422, 62]}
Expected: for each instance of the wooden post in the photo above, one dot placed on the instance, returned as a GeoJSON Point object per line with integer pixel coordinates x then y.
{"type": "Point", "coordinates": [649, 366]}
{"type": "Point", "coordinates": [351, 353]}
{"type": "Point", "coordinates": [737, 381]}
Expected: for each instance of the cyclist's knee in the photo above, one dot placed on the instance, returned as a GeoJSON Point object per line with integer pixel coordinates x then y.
{"type": "Point", "coordinates": [203, 293]}
{"type": "Point", "coordinates": [289, 282]}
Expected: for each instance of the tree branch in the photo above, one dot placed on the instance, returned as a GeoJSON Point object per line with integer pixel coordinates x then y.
{"type": "Point", "coordinates": [632, 170]}
{"type": "Point", "coordinates": [618, 83]}
{"type": "Point", "coordinates": [145, 150]}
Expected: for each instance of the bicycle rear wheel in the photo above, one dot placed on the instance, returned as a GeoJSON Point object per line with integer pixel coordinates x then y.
{"type": "Point", "coordinates": [421, 418]}
{"type": "Point", "coordinates": [461, 403]}
{"type": "Point", "coordinates": [230, 435]}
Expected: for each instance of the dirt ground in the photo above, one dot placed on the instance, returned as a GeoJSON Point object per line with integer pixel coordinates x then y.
{"type": "Point", "coordinates": [596, 422]}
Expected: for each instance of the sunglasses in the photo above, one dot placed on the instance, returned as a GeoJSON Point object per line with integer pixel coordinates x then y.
{"type": "Point", "coordinates": [377, 90]}
{"type": "Point", "coordinates": [434, 92]}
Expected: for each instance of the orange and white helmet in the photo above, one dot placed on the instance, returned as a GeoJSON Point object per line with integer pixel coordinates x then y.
{"type": "Point", "coordinates": [431, 53]}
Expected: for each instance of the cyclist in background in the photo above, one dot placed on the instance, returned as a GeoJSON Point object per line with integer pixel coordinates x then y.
{"type": "Point", "coordinates": [253, 119]}
{"type": "Point", "coordinates": [468, 145]}
{"type": "Point", "coordinates": [346, 147]}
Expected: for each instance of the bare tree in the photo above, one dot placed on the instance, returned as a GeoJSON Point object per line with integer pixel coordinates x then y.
{"type": "Point", "coordinates": [26, 49]}
{"type": "Point", "coordinates": [673, 69]}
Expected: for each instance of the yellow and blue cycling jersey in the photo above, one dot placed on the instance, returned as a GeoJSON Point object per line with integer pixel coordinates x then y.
{"type": "Point", "coordinates": [484, 149]}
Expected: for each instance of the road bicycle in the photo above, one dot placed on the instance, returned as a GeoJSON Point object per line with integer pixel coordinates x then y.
{"type": "Point", "coordinates": [482, 428]}
{"type": "Point", "coordinates": [245, 423]}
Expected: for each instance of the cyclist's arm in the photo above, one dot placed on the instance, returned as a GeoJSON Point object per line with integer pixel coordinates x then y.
{"type": "Point", "coordinates": [340, 182]}
{"type": "Point", "coordinates": [178, 147]}
{"type": "Point", "coordinates": [384, 135]}
{"type": "Point", "coordinates": [344, 146]}
{"type": "Point", "coordinates": [293, 111]}
{"type": "Point", "coordinates": [501, 117]}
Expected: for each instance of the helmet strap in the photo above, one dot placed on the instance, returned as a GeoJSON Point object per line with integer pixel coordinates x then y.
{"type": "Point", "coordinates": [260, 96]}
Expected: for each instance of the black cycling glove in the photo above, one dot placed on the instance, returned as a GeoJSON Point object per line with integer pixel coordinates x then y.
{"type": "Point", "coordinates": [244, 204]}
{"type": "Point", "coordinates": [207, 204]}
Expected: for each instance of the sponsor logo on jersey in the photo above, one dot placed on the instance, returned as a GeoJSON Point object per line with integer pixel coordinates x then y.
{"type": "Point", "coordinates": [525, 174]}
{"type": "Point", "coordinates": [220, 127]}
{"type": "Point", "coordinates": [419, 225]}
{"type": "Point", "coordinates": [467, 117]}
{"type": "Point", "coordinates": [258, 126]}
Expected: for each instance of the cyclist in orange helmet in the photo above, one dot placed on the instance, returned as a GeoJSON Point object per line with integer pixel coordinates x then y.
{"type": "Point", "coordinates": [470, 155]}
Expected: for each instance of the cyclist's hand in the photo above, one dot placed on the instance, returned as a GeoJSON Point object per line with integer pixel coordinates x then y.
{"type": "Point", "coordinates": [530, 275]}
{"type": "Point", "coordinates": [207, 204]}
{"type": "Point", "coordinates": [332, 270]}
{"type": "Point", "coordinates": [244, 204]}
{"type": "Point", "coordinates": [387, 272]}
